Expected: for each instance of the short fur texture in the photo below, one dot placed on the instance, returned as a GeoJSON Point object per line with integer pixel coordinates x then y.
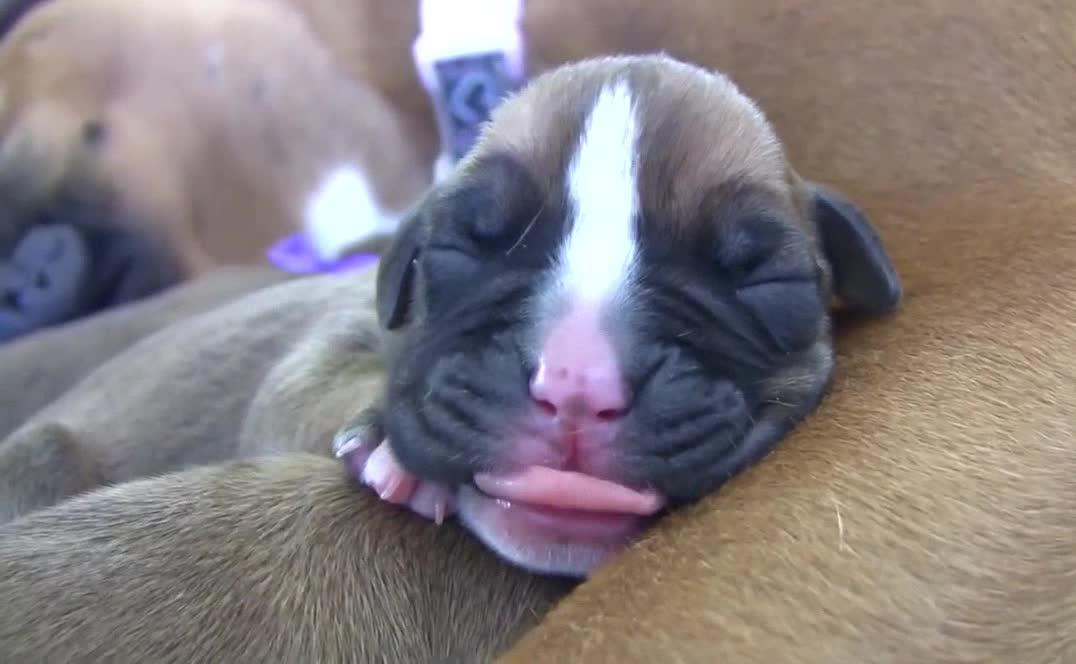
{"type": "Point", "coordinates": [275, 371]}
{"type": "Point", "coordinates": [925, 513]}
{"type": "Point", "coordinates": [653, 196]}
{"type": "Point", "coordinates": [37, 369]}
{"type": "Point", "coordinates": [272, 560]}
{"type": "Point", "coordinates": [318, 569]}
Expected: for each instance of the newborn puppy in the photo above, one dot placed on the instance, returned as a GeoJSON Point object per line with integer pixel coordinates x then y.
{"type": "Point", "coordinates": [274, 371]}
{"type": "Point", "coordinates": [143, 143]}
{"type": "Point", "coordinates": [74, 259]}
{"type": "Point", "coordinates": [37, 369]}
{"type": "Point", "coordinates": [617, 302]}
{"type": "Point", "coordinates": [278, 559]}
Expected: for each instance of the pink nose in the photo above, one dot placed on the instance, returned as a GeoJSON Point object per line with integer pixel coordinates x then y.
{"type": "Point", "coordinates": [578, 371]}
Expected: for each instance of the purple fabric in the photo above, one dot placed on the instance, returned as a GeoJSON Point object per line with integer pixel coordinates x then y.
{"type": "Point", "coordinates": [295, 254]}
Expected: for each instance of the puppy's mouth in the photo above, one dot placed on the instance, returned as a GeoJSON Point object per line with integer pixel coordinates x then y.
{"type": "Point", "coordinates": [556, 521]}
{"type": "Point", "coordinates": [568, 491]}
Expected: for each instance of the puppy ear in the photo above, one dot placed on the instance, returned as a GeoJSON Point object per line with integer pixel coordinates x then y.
{"type": "Point", "coordinates": [863, 275]}
{"type": "Point", "coordinates": [396, 273]}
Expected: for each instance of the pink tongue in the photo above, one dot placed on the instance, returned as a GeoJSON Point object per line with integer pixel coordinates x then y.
{"type": "Point", "coordinates": [538, 485]}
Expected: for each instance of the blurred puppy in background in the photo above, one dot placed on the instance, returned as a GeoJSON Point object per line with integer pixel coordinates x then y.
{"type": "Point", "coordinates": [142, 143]}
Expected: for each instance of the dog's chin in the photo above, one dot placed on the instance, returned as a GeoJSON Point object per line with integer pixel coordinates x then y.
{"type": "Point", "coordinates": [547, 540]}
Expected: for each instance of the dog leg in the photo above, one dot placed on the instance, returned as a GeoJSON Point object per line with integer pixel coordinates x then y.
{"type": "Point", "coordinates": [41, 466]}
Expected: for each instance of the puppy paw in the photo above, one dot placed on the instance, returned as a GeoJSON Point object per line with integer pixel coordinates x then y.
{"type": "Point", "coordinates": [359, 437]}
{"type": "Point", "coordinates": [372, 462]}
{"type": "Point", "coordinates": [384, 474]}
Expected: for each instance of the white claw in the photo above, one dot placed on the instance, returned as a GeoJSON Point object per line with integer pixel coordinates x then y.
{"type": "Point", "coordinates": [347, 446]}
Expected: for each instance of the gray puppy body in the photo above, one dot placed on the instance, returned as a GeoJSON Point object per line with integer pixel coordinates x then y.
{"type": "Point", "coordinates": [281, 559]}
{"type": "Point", "coordinates": [275, 371]}
{"type": "Point", "coordinates": [37, 369]}
{"type": "Point", "coordinates": [703, 338]}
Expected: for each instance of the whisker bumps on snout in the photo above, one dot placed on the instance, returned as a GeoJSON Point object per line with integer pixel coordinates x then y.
{"type": "Point", "coordinates": [609, 297]}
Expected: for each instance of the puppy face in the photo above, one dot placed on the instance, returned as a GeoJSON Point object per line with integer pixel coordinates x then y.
{"type": "Point", "coordinates": [625, 282]}
{"type": "Point", "coordinates": [73, 260]}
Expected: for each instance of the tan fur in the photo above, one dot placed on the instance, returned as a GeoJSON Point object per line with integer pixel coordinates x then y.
{"type": "Point", "coordinates": [273, 560]}
{"type": "Point", "coordinates": [371, 41]}
{"type": "Point", "coordinates": [925, 512]}
{"type": "Point", "coordinates": [279, 559]}
{"type": "Point", "coordinates": [541, 128]}
{"type": "Point", "coordinates": [274, 372]}
{"type": "Point", "coordinates": [279, 370]}
{"type": "Point", "coordinates": [218, 120]}
{"type": "Point", "coordinates": [36, 370]}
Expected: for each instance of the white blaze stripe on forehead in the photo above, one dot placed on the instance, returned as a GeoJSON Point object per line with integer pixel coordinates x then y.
{"type": "Point", "coordinates": [599, 251]}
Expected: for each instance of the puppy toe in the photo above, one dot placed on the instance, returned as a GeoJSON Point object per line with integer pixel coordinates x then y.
{"type": "Point", "coordinates": [433, 501]}
{"type": "Point", "coordinates": [348, 445]}
{"type": "Point", "coordinates": [373, 464]}
{"type": "Point", "coordinates": [359, 436]}
{"type": "Point", "coordinates": [387, 477]}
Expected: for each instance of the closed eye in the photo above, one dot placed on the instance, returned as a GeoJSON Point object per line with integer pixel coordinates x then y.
{"type": "Point", "coordinates": [452, 248]}
{"type": "Point", "coordinates": [787, 279]}
{"type": "Point", "coordinates": [450, 271]}
{"type": "Point", "coordinates": [789, 308]}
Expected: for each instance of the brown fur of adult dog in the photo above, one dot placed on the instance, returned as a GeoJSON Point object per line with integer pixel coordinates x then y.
{"type": "Point", "coordinates": [646, 206]}
{"type": "Point", "coordinates": [190, 134]}
{"type": "Point", "coordinates": [39, 368]}
{"type": "Point", "coordinates": [278, 370]}
{"type": "Point", "coordinates": [921, 515]}
{"type": "Point", "coordinates": [926, 512]}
